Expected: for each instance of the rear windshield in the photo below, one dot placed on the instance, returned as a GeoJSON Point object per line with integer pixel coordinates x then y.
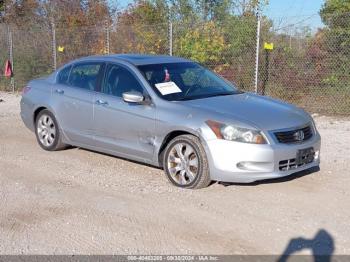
{"type": "Point", "coordinates": [185, 81]}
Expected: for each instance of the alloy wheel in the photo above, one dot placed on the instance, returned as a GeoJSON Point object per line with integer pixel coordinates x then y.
{"type": "Point", "coordinates": [46, 130]}
{"type": "Point", "coordinates": [183, 163]}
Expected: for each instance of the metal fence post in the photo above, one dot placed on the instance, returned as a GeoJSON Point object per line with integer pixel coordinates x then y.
{"type": "Point", "coordinates": [10, 46]}
{"type": "Point", "coordinates": [257, 49]}
{"type": "Point", "coordinates": [107, 47]}
{"type": "Point", "coordinates": [54, 46]}
{"type": "Point", "coordinates": [170, 38]}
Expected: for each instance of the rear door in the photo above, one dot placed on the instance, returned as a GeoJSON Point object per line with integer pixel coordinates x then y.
{"type": "Point", "coordinates": [122, 127]}
{"type": "Point", "coordinates": [76, 98]}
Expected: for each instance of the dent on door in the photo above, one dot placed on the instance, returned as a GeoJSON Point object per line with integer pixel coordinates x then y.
{"type": "Point", "coordinates": [127, 129]}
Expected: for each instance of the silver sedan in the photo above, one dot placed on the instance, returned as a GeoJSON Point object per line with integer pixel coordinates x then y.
{"type": "Point", "coordinates": [172, 113]}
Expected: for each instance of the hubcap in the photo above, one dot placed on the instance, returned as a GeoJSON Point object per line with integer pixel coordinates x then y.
{"type": "Point", "coordinates": [183, 163]}
{"type": "Point", "coordinates": [46, 130]}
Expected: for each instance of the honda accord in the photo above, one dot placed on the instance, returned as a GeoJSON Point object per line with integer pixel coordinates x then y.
{"type": "Point", "coordinates": [172, 113]}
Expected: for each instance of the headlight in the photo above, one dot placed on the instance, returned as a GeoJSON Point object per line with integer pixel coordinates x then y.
{"type": "Point", "coordinates": [238, 134]}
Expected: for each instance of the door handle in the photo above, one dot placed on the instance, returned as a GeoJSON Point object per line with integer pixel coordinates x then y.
{"type": "Point", "coordinates": [59, 91]}
{"type": "Point", "coordinates": [101, 102]}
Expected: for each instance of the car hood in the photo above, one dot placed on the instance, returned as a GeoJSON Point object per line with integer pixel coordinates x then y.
{"type": "Point", "coordinates": [261, 112]}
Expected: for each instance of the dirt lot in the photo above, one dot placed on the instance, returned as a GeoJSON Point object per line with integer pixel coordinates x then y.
{"type": "Point", "coordinates": [80, 202]}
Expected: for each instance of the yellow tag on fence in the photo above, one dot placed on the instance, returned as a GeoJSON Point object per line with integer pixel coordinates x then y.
{"type": "Point", "coordinates": [60, 48]}
{"type": "Point", "coordinates": [268, 46]}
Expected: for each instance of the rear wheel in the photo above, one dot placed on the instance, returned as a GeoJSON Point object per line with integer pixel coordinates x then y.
{"type": "Point", "coordinates": [185, 163]}
{"type": "Point", "coordinates": [47, 131]}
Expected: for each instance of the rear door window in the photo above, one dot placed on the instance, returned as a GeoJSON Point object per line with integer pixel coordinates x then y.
{"type": "Point", "coordinates": [85, 76]}
{"type": "Point", "coordinates": [63, 75]}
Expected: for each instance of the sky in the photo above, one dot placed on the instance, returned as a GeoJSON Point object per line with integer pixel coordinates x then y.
{"type": "Point", "coordinates": [285, 12]}
{"type": "Point", "coordinates": [301, 12]}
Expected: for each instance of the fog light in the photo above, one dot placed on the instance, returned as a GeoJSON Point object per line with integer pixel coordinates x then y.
{"type": "Point", "coordinates": [317, 155]}
{"type": "Point", "coordinates": [255, 166]}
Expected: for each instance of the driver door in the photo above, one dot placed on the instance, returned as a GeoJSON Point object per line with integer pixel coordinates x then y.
{"type": "Point", "coordinates": [120, 127]}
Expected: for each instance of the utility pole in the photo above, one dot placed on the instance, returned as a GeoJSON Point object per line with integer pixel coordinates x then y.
{"type": "Point", "coordinates": [258, 15]}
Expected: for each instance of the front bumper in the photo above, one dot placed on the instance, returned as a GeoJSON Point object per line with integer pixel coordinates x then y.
{"type": "Point", "coordinates": [245, 163]}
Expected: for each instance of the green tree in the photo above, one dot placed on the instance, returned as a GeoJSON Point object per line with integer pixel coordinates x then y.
{"type": "Point", "coordinates": [212, 9]}
{"type": "Point", "coordinates": [182, 11]}
{"type": "Point", "coordinates": [335, 15]}
{"type": "Point", "coordinates": [204, 44]}
{"type": "Point", "coordinates": [142, 28]}
{"type": "Point", "coordinates": [244, 7]}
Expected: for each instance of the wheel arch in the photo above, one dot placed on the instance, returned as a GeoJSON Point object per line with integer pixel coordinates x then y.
{"type": "Point", "coordinates": [37, 111]}
{"type": "Point", "coordinates": [170, 136]}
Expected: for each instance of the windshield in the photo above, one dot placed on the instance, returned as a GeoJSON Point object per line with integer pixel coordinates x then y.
{"type": "Point", "coordinates": [185, 81]}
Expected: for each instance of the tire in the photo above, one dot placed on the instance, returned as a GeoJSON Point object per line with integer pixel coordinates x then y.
{"type": "Point", "coordinates": [185, 163]}
{"type": "Point", "coordinates": [47, 131]}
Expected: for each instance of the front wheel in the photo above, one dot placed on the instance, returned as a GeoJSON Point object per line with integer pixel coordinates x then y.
{"type": "Point", "coordinates": [185, 163]}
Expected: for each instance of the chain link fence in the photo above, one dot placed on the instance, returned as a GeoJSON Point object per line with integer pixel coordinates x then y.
{"type": "Point", "coordinates": [310, 70]}
{"type": "Point", "coordinates": [75, 42]}
{"type": "Point", "coordinates": [145, 39]}
{"type": "Point", "coordinates": [230, 53]}
{"type": "Point", "coordinates": [32, 54]}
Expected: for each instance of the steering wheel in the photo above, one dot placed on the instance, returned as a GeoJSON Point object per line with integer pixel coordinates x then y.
{"type": "Point", "coordinates": [192, 88]}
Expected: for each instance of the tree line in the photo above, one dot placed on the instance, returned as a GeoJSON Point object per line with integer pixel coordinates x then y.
{"type": "Point", "coordinates": [218, 33]}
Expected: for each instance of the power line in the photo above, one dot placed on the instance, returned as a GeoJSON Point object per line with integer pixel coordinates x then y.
{"type": "Point", "coordinates": [290, 16]}
{"type": "Point", "coordinates": [296, 23]}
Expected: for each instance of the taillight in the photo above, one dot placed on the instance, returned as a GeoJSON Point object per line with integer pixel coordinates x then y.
{"type": "Point", "coordinates": [26, 89]}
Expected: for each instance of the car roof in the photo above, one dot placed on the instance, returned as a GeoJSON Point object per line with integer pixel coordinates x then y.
{"type": "Point", "coordinates": [137, 59]}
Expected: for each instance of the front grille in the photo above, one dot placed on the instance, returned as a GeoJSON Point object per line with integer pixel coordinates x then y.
{"type": "Point", "coordinates": [293, 163]}
{"type": "Point", "coordinates": [290, 164]}
{"type": "Point", "coordinates": [294, 136]}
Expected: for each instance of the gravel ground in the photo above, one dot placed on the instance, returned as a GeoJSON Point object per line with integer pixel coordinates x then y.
{"type": "Point", "coordinates": [80, 202]}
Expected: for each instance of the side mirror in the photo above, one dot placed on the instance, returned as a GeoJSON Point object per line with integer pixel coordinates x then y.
{"type": "Point", "coordinates": [133, 97]}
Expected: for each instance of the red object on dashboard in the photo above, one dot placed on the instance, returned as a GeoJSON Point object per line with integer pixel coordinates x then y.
{"type": "Point", "coordinates": [167, 75]}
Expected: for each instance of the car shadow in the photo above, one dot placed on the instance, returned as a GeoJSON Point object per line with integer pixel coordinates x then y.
{"type": "Point", "coordinates": [321, 246]}
{"type": "Point", "coordinates": [276, 180]}
{"type": "Point", "coordinates": [294, 176]}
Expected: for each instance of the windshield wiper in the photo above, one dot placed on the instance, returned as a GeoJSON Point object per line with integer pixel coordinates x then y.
{"type": "Point", "coordinates": [220, 94]}
{"type": "Point", "coordinates": [206, 96]}
{"type": "Point", "coordinates": [225, 94]}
